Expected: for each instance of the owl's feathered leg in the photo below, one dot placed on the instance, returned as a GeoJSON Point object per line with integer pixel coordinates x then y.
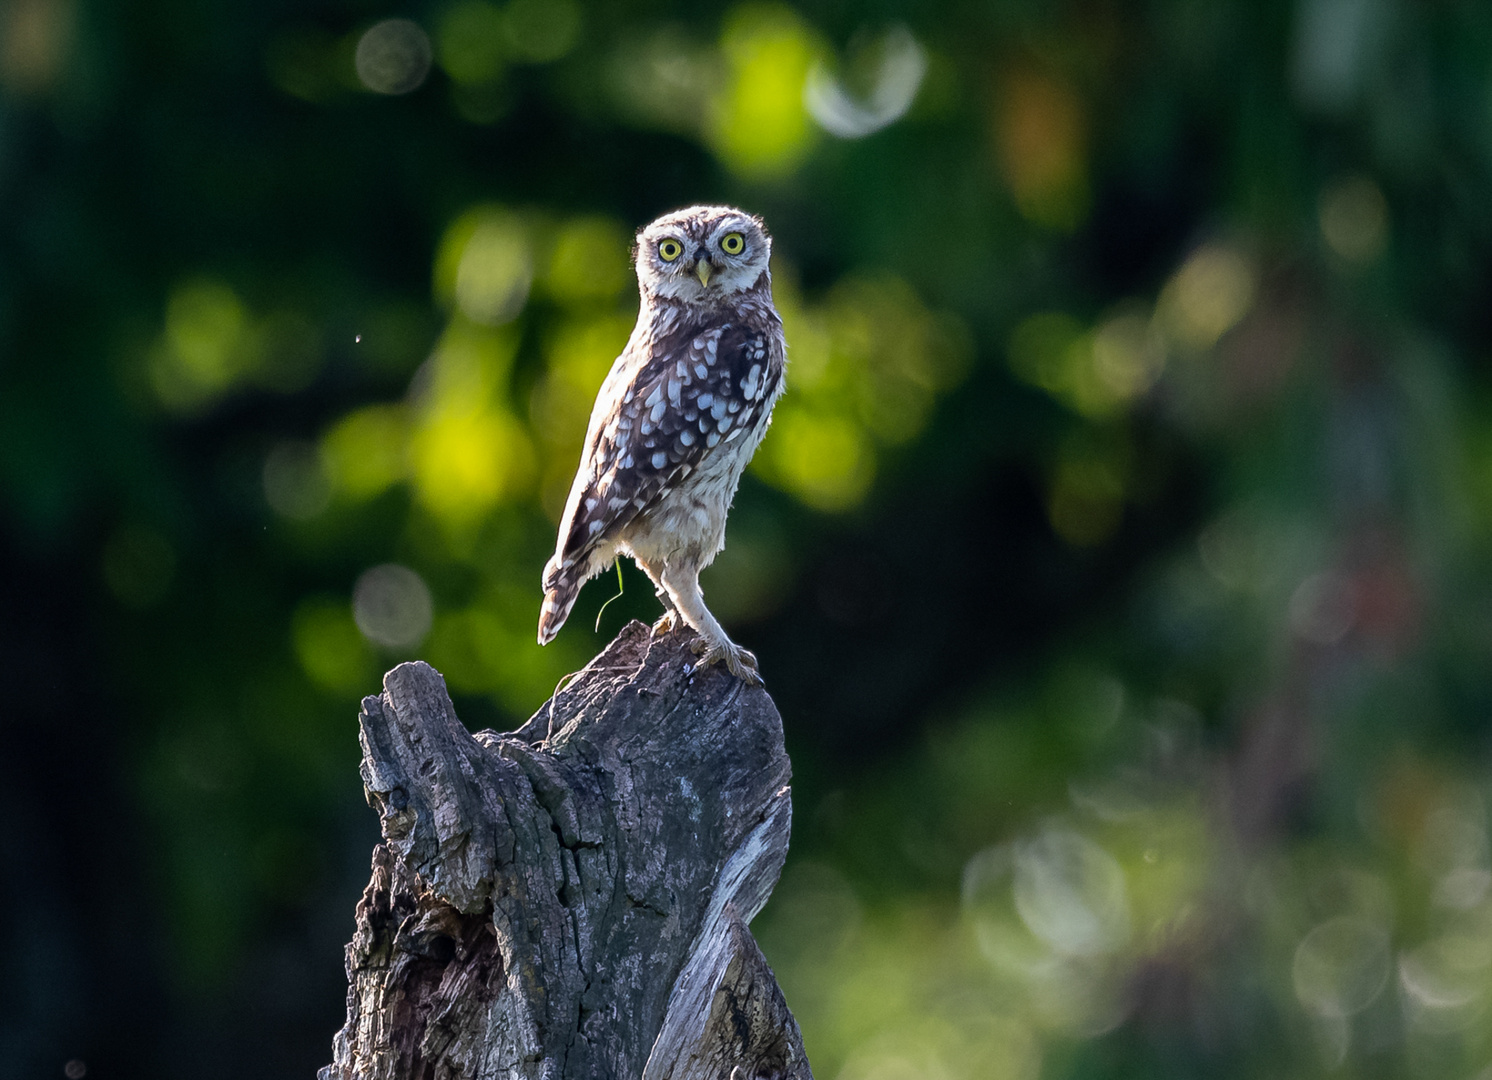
{"type": "Point", "coordinates": [682, 584]}
{"type": "Point", "coordinates": [670, 617]}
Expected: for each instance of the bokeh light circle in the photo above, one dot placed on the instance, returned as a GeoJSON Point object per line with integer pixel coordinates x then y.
{"type": "Point", "coordinates": [393, 57]}
{"type": "Point", "coordinates": [1071, 893]}
{"type": "Point", "coordinates": [1341, 966]}
{"type": "Point", "coordinates": [392, 606]}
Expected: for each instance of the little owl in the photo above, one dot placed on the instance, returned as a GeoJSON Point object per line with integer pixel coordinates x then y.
{"type": "Point", "coordinates": [675, 423]}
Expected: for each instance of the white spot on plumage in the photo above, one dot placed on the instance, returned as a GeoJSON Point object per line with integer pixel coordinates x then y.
{"type": "Point", "coordinates": [701, 370]}
{"type": "Point", "coordinates": [704, 401]}
{"type": "Point", "coordinates": [686, 437]}
{"type": "Point", "coordinates": [658, 411]}
{"type": "Point", "coordinates": [734, 406]}
{"type": "Point", "coordinates": [590, 504]}
{"type": "Point", "coordinates": [660, 459]}
{"type": "Point", "coordinates": [647, 428]}
{"type": "Point", "coordinates": [673, 392]}
{"type": "Point", "coordinates": [712, 439]}
{"type": "Point", "coordinates": [717, 410]}
{"type": "Point", "coordinates": [594, 527]}
{"type": "Point", "coordinates": [749, 383]}
{"type": "Point", "coordinates": [733, 434]}
{"type": "Point", "coordinates": [723, 423]}
{"type": "Point", "coordinates": [655, 397]}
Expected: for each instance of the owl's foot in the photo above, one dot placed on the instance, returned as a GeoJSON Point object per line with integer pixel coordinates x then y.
{"type": "Point", "coordinates": [740, 662]}
{"type": "Point", "coordinates": [669, 620]}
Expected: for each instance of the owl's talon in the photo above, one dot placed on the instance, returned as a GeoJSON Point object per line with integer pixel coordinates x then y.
{"type": "Point", "coordinates": [665, 624]}
{"type": "Point", "coordinates": [738, 661]}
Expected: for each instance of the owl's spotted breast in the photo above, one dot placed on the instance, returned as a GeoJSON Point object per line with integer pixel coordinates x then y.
{"type": "Point", "coordinates": [701, 389]}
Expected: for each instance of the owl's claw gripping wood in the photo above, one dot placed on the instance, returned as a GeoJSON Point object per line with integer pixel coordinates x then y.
{"type": "Point", "coordinates": [740, 662]}
{"type": "Point", "coordinates": [669, 620]}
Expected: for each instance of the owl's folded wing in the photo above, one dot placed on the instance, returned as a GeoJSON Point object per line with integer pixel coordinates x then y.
{"type": "Point", "coordinates": [702, 388]}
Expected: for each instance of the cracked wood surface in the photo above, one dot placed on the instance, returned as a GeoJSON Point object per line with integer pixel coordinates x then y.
{"type": "Point", "coordinates": [571, 899]}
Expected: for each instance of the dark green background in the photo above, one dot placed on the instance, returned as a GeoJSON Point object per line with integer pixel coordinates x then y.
{"type": "Point", "coordinates": [1118, 560]}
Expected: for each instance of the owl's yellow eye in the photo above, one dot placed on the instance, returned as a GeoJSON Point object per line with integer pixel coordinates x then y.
{"type": "Point", "coordinates": [669, 250]}
{"type": "Point", "coordinates": [733, 243]}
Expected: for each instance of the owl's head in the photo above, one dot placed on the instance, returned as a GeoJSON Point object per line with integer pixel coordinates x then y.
{"type": "Point", "coordinates": [702, 254]}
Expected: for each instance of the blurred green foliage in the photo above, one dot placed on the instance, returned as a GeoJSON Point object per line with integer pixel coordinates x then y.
{"type": "Point", "coordinates": [1118, 557]}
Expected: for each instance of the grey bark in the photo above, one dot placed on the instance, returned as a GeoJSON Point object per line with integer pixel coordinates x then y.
{"type": "Point", "coordinates": [571, 899]}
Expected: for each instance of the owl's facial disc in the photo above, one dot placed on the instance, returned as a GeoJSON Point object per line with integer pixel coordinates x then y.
{"type": "Point", "coordinates": [702, 254]}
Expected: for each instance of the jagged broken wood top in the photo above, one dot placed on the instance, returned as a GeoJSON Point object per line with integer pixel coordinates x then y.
{"type": "Point", "coordinates": [571, 899]}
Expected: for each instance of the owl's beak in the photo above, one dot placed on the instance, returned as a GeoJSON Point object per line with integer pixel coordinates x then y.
{"type": "Point", "coordinates": [703, 270]}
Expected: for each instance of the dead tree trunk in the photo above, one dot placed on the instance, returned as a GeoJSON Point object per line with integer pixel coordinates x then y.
{"type": "Point", "coordinates": [571, 899]}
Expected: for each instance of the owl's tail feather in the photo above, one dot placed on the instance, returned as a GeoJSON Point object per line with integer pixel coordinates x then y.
{"type": "Point", "coordinates": [561, 587]}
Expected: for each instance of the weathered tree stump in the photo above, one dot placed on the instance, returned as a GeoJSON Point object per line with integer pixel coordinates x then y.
{"type": "Point", "coordinates": [571, 899]}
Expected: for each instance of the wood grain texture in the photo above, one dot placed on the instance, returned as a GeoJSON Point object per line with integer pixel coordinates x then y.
{"type": "Point", "coordinates": [571, 899]}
